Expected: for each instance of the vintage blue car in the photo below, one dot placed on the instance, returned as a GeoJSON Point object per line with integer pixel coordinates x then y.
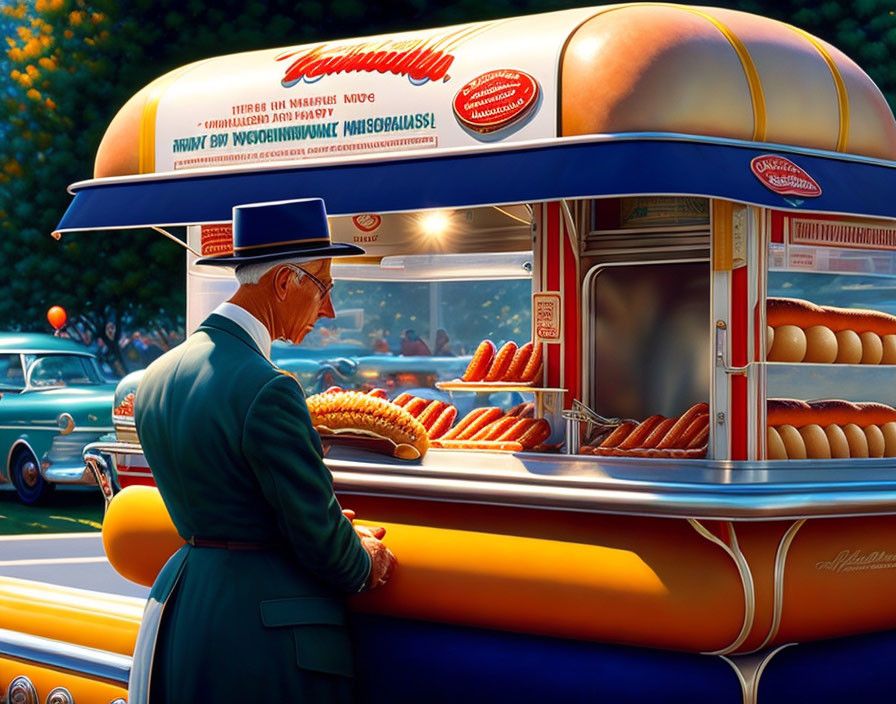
{"type": "Point", "coordinates": [54, 400]}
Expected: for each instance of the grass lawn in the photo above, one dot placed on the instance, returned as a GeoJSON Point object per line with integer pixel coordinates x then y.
{"type": "Point", "coordinates": [68, 511]}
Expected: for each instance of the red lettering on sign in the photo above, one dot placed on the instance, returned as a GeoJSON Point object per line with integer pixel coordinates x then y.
{"type": "Point", "coordinates": [495, 100]}
{"type": "Point", "coordinates": [783, 176]}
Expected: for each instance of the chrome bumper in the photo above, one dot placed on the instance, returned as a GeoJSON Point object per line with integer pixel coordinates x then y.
{"type": "Point", "coordinates": [63, 463]}
{"type": "Point", "coordinates": [58, 655]}
{"type": "Point", "coordinates": [102, 472]}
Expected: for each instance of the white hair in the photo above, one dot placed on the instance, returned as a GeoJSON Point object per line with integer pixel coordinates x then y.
{"type": "Point", "coordinates": [251, 273]}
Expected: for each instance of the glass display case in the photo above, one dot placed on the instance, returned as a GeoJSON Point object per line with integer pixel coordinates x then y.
{"type": "Point", "coordinates": [831, 336]}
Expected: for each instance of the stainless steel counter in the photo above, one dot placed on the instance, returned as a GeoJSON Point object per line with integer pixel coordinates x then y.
{"type": "Point", "coordinates": [742, 491]}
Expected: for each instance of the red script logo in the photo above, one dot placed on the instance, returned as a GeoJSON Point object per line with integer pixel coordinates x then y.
{"type": "Point", "coordinates": [420, 64]}
{"type": "Point", "coordinates": [783, 176]}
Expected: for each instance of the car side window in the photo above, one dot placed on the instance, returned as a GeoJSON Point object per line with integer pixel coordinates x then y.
{"type": "Point", "coordinates": [59, 370]}
{"type": "Point", "coordinates": [12, 376]}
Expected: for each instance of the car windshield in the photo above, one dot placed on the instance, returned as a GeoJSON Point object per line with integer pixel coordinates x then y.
{"type": "Point", "coordinates": [45, 370]}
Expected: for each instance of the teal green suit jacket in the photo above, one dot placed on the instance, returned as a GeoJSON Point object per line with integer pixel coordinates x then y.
{"type": "Point", "coordinates": [231, 446]}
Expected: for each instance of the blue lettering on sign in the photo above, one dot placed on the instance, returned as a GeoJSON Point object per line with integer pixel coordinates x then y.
{"type": "Point", "coordinates": [189, 144]}
{"type": "Point", "coordinates": [390, 123]}
{"type": "Point", "coordinates": [321, 130]}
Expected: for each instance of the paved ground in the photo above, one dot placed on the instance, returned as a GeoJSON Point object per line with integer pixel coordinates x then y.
{"type": "Point", "coordinates": [69, 559]}
{"type": "Point", "coordinates": [59, 543]}
{"type": "Point", "coordinates": [70, 509]}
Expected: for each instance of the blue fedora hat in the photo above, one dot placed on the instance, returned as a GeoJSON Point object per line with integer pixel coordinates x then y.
{"type": "Point", "coordinates": [280, 230]}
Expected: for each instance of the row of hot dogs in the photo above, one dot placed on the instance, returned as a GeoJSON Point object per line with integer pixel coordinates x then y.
{"type": "Point", "coordinates": [493, 429]}
{"type": "Point", "coordinates": [510, 364]}
{"type": "Point", "coordinates": [800, 331]}
{"type": "Point", "coordinates": [420, 423]}
{"type": "Point", "coordinates": [487, 428]}
{"type": "Point", "coordinates": [684, 436]}
{"type": "Point", "coordinates": [833, 429]}
{"type": "Point", "coordinates": [796, 430]}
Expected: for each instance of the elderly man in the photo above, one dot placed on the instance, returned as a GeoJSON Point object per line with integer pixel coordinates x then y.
{"type": "Point", "coordinates": [253, 604]}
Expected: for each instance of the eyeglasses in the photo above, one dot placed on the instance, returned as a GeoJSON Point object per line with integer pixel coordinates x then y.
{"type": "Point", "coordinates": [322, 287]}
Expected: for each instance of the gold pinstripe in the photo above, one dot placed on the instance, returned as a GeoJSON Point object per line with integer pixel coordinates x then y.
{"type": "Point", "coordinates": [280, 244]}
{"type": "Point", "coordinates": [146, 163]}
{"type": "Point", "coordinates": [757, 96]}
{"type": "Point", "coordinates": [146, 149]}
{"type": "Point", "coordinates": [842, 95]}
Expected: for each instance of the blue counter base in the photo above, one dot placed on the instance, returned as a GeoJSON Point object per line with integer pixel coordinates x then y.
{"type": "Point", "coordinates": [413, 661]}
{"type": "Point", "coordinates": [855, 670]}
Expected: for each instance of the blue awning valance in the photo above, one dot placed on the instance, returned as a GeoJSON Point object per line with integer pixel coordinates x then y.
{"type": "Point", "coordinates": [614, 166]}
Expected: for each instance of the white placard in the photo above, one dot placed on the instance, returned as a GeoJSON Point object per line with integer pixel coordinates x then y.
{"type": "Point", "coordinates": [396, 92]}
{"type": "Point", "coordinates": [547, 317]}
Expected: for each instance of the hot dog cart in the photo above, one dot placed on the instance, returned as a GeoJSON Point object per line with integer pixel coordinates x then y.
{"type": "Point", "coordinates": [695, 232]}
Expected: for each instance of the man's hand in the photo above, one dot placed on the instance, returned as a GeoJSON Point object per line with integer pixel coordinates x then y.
{"type": "Point", "coordinates": [376, 531]}
{"type": "Point", "coordinates": [382, 561]}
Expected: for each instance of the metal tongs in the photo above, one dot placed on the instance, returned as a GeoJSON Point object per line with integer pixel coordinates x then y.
{"type": "Point", "coordinates": [580, 413]}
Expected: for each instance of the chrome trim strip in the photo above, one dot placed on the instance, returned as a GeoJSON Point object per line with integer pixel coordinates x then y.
{"type": "Point", "coordinates": [73, 475]}
{"type": "Point", "coordinates": [55, 428]}
{"type": "Point", "coordinates": [718, 489]}
{"type": "Point", "coordinates": [44, 350]}
{"type": "Point", "coordinates": [96, 467]}
{"type": "Point", "coordinates": [780, 565]}
{"type": "Point", "coordinates": [724, 490]}
{"type": "Point", "coordinates": [121, 448]}
{"type": "Point", "coordinates": [746, 578]}
{"type": "Point", "coordinates": [76, 659]}
{"type": "Point", "coordinates": [749, 669]}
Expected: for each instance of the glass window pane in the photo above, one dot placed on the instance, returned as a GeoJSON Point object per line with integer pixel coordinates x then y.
{"type": "Point", "coordinates": [62, 370]}
{"type": "Point", "coordinates": [11, 374]}
{"type": "Point", "coordinates": [402, 335]}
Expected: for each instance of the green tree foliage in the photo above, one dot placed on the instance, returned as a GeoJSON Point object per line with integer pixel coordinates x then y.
{"type": "Point", "coordinates": [865, 30]}
{"type": "Point", "coordinates": [69, 65]}
{"type": "Point", "coordinates": [62, 59]}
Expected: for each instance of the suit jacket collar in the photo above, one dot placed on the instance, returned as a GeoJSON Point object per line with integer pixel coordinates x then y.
{"type": "Point", "coordinates": [222, 324]}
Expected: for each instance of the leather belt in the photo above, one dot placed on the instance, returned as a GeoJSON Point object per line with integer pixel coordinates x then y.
{"type": "Point", "coordinates": [229, 544]}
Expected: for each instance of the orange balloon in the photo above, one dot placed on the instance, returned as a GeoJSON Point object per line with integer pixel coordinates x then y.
{"type": "Point", "coordinates": [57, 317]}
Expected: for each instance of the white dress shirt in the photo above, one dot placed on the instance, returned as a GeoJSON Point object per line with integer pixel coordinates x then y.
{"type": "Point", "coordinates": [248, 322]}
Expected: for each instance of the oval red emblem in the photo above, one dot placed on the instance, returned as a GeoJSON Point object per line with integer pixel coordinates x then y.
{"type": "Point", "coordinates": [783, 176]}
{"type": "Point", "coordinates": [367, 222]}
{"type": "Point", "coordinates": [495, 100]}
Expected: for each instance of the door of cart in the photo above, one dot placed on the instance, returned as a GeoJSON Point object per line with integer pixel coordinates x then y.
{"type": "Point", "coordinates": [639, 296]}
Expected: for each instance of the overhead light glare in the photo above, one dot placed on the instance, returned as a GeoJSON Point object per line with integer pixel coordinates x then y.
{"type": "Point", "coordinates": [435, 223]}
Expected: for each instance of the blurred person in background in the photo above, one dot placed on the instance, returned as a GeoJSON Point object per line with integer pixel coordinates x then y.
{"type": "Point", "coordinates": [412, 345]}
